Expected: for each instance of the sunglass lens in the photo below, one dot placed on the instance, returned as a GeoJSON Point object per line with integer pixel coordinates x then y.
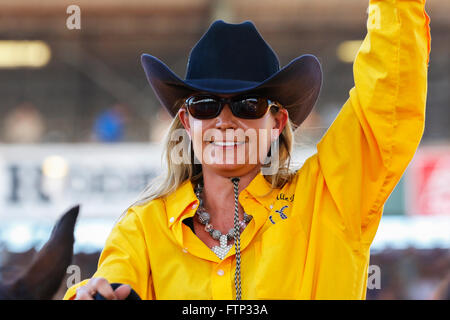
{"type": "Point", "coordinates": [203, 107]}
{"type": "Point", "coordinates": [250, 108]}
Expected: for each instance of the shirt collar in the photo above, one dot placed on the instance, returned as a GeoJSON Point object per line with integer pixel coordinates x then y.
{"type": "Point", "coordinates": [259, 186]}
{"type": "Point", "coordinates": [183, 202]}
{"type": "Point", "coordinates": [180, 201]}
{"type": "Point", "coordinates": [261, 190]}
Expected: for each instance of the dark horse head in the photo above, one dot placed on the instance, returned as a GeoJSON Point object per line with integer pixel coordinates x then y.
{"type": "Point", "coordinates": [43, 277]}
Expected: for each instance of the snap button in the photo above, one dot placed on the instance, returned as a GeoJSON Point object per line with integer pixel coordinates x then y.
{"type": "Point", "coordinates": [220, 272]}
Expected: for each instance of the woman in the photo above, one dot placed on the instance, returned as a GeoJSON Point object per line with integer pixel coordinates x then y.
{"type": "Point", "coordinates": [275, 234]}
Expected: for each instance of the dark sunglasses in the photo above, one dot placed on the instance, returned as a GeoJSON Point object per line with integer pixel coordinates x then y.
{"type": "Point", "coordinates": [204, 107]}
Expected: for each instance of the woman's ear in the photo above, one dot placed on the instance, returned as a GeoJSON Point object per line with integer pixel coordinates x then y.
{"type": "Point", "coordinates": [281, 119]}
{"type": "Point", "coordinates": [183, 115]}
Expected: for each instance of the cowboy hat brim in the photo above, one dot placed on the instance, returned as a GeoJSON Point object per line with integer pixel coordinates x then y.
{"type": "Point", "coordinates": [296, 86]}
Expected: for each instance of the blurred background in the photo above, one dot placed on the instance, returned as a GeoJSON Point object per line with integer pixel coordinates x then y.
{"type": "Point", "coordinates": [80, 124]}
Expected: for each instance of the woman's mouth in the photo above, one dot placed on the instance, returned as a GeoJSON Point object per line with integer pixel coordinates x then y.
{"type": "Point", "coordinates": [226, 144]}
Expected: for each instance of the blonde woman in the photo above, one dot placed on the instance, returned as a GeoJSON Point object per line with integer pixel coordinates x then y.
{"type": "Point", "coordinates": [220, 224]}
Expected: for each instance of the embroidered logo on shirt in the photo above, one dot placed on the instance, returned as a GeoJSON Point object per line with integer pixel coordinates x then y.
{"type": "Point", "coordinates": [281, 213]}
{"type": "Point", "coordinates": [283, 197]}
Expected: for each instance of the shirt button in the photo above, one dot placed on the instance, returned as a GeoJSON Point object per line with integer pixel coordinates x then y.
{"type": "Point", "coordinates": [194, 206]}
{"type": "Point", "coordinates": [220, 272]}
{"type": "Point", "coordinates": [172, 219]}
{"type": "Point", "coordinates": [271, 206]}
{"type": "Point", "coordinates": [185, 250]}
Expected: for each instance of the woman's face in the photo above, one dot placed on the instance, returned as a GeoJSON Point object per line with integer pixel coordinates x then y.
{"type": "Point", "coordinates": [230, 145]}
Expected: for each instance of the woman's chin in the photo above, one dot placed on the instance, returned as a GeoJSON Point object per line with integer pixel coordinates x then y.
{"type": "Point", "coordinates": [231, 169]}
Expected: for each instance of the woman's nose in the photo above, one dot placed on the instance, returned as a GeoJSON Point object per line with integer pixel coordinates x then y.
{"type": "Point", "coordinates": [226, 118]}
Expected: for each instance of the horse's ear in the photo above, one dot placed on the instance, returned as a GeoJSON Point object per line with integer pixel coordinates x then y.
{"type": "Point", "coordinates": [43, 278]}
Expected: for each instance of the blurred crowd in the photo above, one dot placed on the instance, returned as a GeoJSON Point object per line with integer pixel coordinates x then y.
{"type": "Point", "coordinates": [26, 124]}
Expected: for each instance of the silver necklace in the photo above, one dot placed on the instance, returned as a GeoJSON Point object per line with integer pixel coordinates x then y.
{"type": "Point", "coordinates": [205, 219]}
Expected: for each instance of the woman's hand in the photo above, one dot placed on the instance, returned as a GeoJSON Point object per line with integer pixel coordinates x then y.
{"type": "Point", "coordinates": [102, 286]}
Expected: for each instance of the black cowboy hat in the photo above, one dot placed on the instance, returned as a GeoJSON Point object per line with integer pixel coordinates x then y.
{"type": "Point", "coordinates": [235, 59]}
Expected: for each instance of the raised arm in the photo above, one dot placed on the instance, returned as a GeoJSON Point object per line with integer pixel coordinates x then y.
{"type": "Point", "coordinates": [367, 148]}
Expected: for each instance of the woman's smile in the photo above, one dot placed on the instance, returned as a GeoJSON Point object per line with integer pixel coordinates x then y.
{"type": "Point", "coordinates": [227, 144]}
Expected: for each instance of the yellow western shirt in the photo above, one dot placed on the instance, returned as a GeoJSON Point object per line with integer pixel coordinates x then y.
{"type": "Point", "coordinates": [311, 238]}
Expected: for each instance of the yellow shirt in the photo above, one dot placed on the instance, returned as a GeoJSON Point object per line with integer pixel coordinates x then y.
{"type": "Point", "coordinates": [310, 239]}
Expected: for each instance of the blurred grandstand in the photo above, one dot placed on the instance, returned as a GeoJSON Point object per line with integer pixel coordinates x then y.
{"type": "Point", "coordinates": [80, 124]}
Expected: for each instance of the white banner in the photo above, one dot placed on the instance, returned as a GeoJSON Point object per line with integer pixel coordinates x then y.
{"type": "Point", "coordinates": [41, 181]}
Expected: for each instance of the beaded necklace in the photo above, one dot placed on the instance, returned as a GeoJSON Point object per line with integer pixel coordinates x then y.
{"type": "Point", "coordinates": [205, 219]}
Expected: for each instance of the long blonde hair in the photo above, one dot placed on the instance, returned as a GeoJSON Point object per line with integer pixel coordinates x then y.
{"type": "Point", "coordinates": [176, 174]}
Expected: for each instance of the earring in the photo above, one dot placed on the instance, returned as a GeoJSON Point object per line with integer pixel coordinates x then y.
{"type": "Point", "coordinates": [274, 145]}
{"type": "Point", "coordinates": [191, 152]}
{"type": "Point", "coordinates": [196, 165]}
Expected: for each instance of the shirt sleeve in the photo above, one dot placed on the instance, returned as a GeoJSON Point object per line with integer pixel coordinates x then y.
{"type": "Point", "coordinates": [367, 148]}
{"type": "Point", "coordinates": [124, 258]}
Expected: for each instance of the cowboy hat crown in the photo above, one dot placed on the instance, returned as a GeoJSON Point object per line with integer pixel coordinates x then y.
{"type": "Point", "coordinates": [227, 49]}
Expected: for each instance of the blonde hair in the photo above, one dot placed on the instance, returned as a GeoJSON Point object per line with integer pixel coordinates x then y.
{"type": "Point", "coordinates": [176, 174]}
